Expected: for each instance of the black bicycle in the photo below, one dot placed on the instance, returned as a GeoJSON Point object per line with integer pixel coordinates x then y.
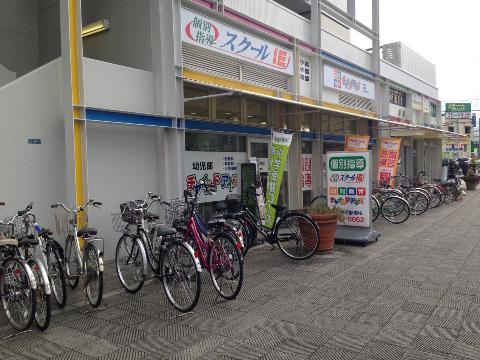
{"type": "Point", "coordinates": [296, 234]}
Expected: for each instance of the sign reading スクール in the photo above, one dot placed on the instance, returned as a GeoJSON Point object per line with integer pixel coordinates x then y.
{"type": "Point", "coordinates": [306, 171]}
{"type": "Point", "coordinates": [202, 31]}
{"type": "Point", "coordinates": [276, 166]}
{"type": "Point", "coordinates": [356, 142]}
{"type": "Point", "coordinates": [388, 159]}
{"type": "Point", "coordinates": [217, 168]}
{"type": "Point", "coordinates": [348, 179]}
{"type": "Point", "coordinates": [344, 81]}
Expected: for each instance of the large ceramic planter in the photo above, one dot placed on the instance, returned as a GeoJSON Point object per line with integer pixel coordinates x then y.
{"type": "Point", "coordinates": [471, 185]}
{"type": "Point", "coordinates": [328, 228]}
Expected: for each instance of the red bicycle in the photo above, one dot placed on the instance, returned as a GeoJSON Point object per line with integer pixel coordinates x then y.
{"type": "Point", "coordinates": [217, 250]}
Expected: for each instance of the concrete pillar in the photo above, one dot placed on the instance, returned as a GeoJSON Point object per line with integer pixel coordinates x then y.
{"type": "Point", "coordinates": [376, 53]}
{"type": "Point", "coordinates": [317, 156]}
{"type": "Point", "coordinates": [420, 148]}
{"type": "Point", "coordinates": [316, 36]}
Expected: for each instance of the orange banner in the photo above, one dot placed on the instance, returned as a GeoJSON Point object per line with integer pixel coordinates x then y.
{"type": "Point", "coordinates": [388, 159]}
{"type": "Point", "coordinates": [356, 142]}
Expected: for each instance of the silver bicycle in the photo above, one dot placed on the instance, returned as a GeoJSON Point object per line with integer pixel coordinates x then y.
{"type": "Point", "coordinates": [82, 256]}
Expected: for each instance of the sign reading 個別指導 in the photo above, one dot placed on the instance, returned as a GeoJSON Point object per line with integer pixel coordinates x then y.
{"type": "Point", "coordinates": [344, 81]}
{"type": "Point", "coordinates": [202, 31]}
{"type": "Point", "coordinates": [388, 159]}
{"type": "Point", "coordinates": [276, 166]}
{"type": "Point", "coordinates": [348, 182]}
{"type": "Point", "coordinates": [356, 142]}
{"type": "Point", "coordinates": [216, 168]}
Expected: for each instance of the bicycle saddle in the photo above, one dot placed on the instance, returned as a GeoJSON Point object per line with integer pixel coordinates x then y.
{"type": "Point", "coordinates": [27, 241]}
{"type": "Point", "coordinates": [279, 208]}
{"type": "Point", "coordinates": [45, 232]}
{"type": "Point", "coordinates": [86, 232]}
{"type": "Point", "coordinates": [8, 242]}
{"type": "Point", "coordinates": [163, 230]}
{"type": "Point", "coordinates": [216, 222]}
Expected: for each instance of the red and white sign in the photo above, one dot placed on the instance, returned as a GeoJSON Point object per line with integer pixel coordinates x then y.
{"type": "Point", "coordinates": [344, 81]}
{"type": "Point", "coordinates": [306, 171]}
{"type": "Point", "coordinates": [356, 142]}
{"type": "Point", "coordinates": [202, 31]}
{"type": "Point", "coordinates": [388, 159]}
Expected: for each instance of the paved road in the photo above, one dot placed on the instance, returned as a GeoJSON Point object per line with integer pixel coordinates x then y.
{"type": "Point", "coordinates": [415, 294]}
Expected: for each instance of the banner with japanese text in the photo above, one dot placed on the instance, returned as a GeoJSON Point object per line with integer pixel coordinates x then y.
{"type": "Point", "coordinates": [306, 171]}
{"type": "Point", "coordinates": [388, 159]}
{"type": "Point", "coordinates": [348, 182]}
{"type": "Point", "coordinates": [276, 166]}
{"type": "Point", "coordinates": [217, 168]}
{"type": "Point", "coordinates": [356, 142]}
{"type": "Point", "coordinates": [210, 34]}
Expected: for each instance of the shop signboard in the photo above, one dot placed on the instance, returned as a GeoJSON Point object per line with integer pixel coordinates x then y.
{"type": "Point", "coordinates": [397, 97]}
{"type": "Point", "coordinates": [344, 81]}
{"type": "Point", "coordinates": [305, 74]}
{"type": "Point", "coordinates": [417, 102]}
{"type": "Point", "coordinates": [348, 181]}
{"type": "Point", "coordinates": [207, 33]}
{"type": "Point", "coordinates": [356, 142]}
{"type": "Point", "coordinates": [388, 159]}
{"type": "Point", "coordinates": [276, 166]}
{"type": "Point", "coordinates": [426, 105]}
{"type": "Point", "coordinates": [306, 171]}
{"type": "Point", "coordinates": [218, 168]}
{"type": "Point", "coordinates": [458, 110]}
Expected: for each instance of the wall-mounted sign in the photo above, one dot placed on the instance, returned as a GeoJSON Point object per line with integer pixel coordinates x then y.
{"type": "Point", "coordinates": [306, 171]}
{"type": "Point", "coordinates": [426, 105]}
{"type": "Point", "coordinates": [202, 31]}
{"type": "Point", "coordinates": [344, 81]}
{"type": "Point", "coordinates": [356, 142]}
{"type": "Point", "coordinates": [217, 168]}
{"type": "Point", "coordinates": [417, 102]}
{"type": "Point", "coordinates": [34, 141]}
{"type": "Point", "coordinates": [397, 97]}
{"type": "Point", "coordinates": [348, 181]}
{"type": "Point", "coordinates": [305, 76]}
{"type": "Point", "coordinates": [388, 159]}
{"type": "Point", "coordinates": [458, 107]}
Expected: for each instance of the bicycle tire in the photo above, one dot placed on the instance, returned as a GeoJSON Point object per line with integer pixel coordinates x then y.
{"type": "Point", "coordinates": [71, 261]}
{"type": "Point", "coordinates": [43, 309]}
{"type": "Point", "coordinates": [375, 208]}
{"type": "Point", "coordinates": [418, 202]}
{"type": "Point", "coordinates": [56, 276]}
{"type": "Point", "coordinates": [435, 196]}
{"type": "Point", "coordinates": [94, 274]}
{"type": "Point", "coordinates": [246, 237]}
{"type": "Point", "coordinates": [178, 263]}
{"type": "Point", "coordinates": [18, 283]}
{"type": "Point", "coordinates": [391, 207]}
{"type": "Point", "coordinates": [306, 237]}
{"type": "Point", "coordinates": [225, 258]}
{"type": "Point", "coordinates": [452, 193]}
{"type": "Point", "coordinates": [135, 252]}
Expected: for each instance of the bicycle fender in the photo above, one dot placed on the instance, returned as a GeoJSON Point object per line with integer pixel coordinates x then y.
{"type": "Point", "coordinates": [30, 275]}
{"type": "Point", "coordinates": [44, 276]}
{"type": "Point", "coordinates": [197, 262]}
{"type": "Point", "coordinates": [99, 253]}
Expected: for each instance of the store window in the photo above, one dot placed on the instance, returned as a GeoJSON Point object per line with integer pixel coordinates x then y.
{"type": "Point", "coordinates": [351, 126]}
{"type": "Point", "coordinates": [257, 111]}
{"type": "Point", "coordinates": [214, 142]}
{"type": "Point", "coordinates": [338, 125]}
{"type": "Point", "coordinates": [433, 110]}
{"type": "Point", "coordinates": [196, 108]}
{"type": "Point", "coordinates": [307, 120]}
{"type": "Point", "coordinates": [259, 149]}
{"type": "Point", "coordinates": [325, 123]}
{"type": "Point", "coordinates": [467, 129]}
{"type": "Point", "coordinates": [228, 108]}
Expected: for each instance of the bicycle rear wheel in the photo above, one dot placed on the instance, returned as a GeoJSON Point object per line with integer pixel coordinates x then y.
{"type": "Point", "coordinates": [297, 235]}
{"type": "Point", "coordinates": [180, 276]}
{"type": "Point", "coordinates": [56, 276]}
{"type": "Point", "coordinates": [417, 201]}
{"type": "Point", "coordinates": [375, 208]}
{"type": "Point", "coordinates": [94, 275]}
{"type": "Point", "coordinates": [435, 196]}
{"type": "Point", "coordinates": [225, 263]}
{"type": "Point", "coordinates": [130, 263]}
{"type": "Point", "coordinates": [452, 193]}
{"type": "Point", "coordinates": [395, 209]}
{"type": "Point", "coordinates": [18, 295]}
{"type": "Point", "coordinates": [72, 266]}
{"type": "Point", "coordinates": [43, 310]}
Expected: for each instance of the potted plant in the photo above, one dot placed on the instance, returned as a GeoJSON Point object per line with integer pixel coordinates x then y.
{"type": "Point", "coordinates": [326, 218]}
{"type": "Point", "coordinates": [472, 178]}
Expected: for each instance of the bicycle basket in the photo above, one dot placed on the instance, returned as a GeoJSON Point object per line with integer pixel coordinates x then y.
{"type": "Point", "coordinates": [64, 223]}
{"type": "Point", "coordinates": [176, 212]}
{"type": "Point", "coordinates": [130, 211]}
{"type": "Point", "coordinates": [6, 229]}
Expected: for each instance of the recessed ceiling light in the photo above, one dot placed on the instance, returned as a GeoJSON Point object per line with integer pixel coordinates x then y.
{"type": "Point", "coordinates": [193, 113]}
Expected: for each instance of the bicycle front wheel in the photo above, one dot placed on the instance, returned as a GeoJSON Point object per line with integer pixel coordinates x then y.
{"type": "Point", "coordinates": [130, 263]}
{"type": "Point", "coordinates": [375, 208]}
{"type": "Point", "coordinates": [225, 264]}
{"type": "Point", "coordinates": [43, 311]}
{"type": "Point", "coordinates": [72, 266]}
{"type": "Point", "coordinates": [180, 277]}
{"type": "Point", "coordinates": [417, 201]}
{"type": "Point", "coordinates": [395, 210]}
{"type": "Point", "coordinates": [297, 235]}
{"type": "Point", "coordinates": [56, 276]}
{"type": "Point", "coordinates": [94, 275]}
{"type": "Point", "coordinates": [18, 295]}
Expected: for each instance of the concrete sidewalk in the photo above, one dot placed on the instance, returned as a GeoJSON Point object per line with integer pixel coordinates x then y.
{"type": "Point", "coordinates": [415, 294]}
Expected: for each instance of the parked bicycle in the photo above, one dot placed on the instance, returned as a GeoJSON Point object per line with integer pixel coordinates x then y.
{"type": "Point", "coordinates": [145, 242]}
{"type": "Point", "coordinates": [81, 259]}
{"type": "Point", "coordinates": [393, 208]}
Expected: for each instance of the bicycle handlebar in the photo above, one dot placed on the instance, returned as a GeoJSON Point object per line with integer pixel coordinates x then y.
{"type": "Point", "coordinates": [26, 210]}
{"type": "Point", "coordinates": [78, 208]}
{"type": "Point", "coordinates": [2, 203]}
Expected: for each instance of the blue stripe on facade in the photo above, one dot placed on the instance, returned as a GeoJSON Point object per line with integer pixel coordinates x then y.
{"type": "Point", "coordinates": [126, 118]}
{"type": "Point", "coordinates": [221, 127]}
{"type": "Point", "coordinates": [347, 64]}
{"type": "Point", "coordinates": [308, 135]}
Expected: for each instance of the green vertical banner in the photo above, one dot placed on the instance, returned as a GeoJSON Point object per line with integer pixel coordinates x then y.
{"type": "Point", "coordinates": [276, 166]}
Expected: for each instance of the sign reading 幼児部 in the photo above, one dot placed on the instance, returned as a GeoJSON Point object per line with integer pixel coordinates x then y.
{"type": "Point", "coordinates": [356, 142]}
{"type": "Point", "coordinates": [276, 166]}
{"type": "Point", "coordinates": [202, 31]}
{"type": "Point", "coordinates": [217, 168]}
{"type": "Point", "coordinates": [344, 81]}
{"type": "Point", "coordinates": [348, 182]}
{"type": "Point", "coordinates": [388, 159]}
